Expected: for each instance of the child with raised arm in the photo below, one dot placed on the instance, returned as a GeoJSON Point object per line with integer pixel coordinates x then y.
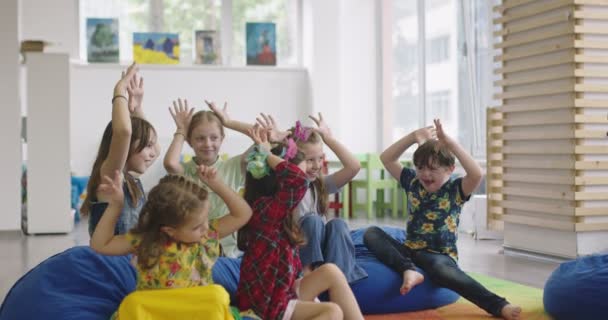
{"type": "Point", "coordinates": [270, 285]}
{"type": "Point", "coordinates": [174, 245]}
{"type": "Point", "coordinates": [204, 132]}
{"type": "Point", "coordinates": [435, 202]}
{"type": "Point", "coordinates": [128, 145]}
{"type": "Point", "coordinates": [327, 240]}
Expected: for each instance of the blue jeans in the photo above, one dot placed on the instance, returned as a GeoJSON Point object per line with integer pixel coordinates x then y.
{"type": "Point", "coordinates": [440, 268]}
{"type": "Point", "coordinates": [330, 243]}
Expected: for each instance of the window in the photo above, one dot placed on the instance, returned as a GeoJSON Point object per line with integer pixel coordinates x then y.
{"type": "Point", "coordinates": [186, 16]}
{"type": "Point", "coordinates": [442, 67]}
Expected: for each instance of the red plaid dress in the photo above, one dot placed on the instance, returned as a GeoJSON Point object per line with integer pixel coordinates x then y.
{"type": "Point", "coordinates": [271, 263]}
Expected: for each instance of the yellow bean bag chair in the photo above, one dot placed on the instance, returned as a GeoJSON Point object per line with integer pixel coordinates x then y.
{"type": "Point", "coordinates": [210, 302]}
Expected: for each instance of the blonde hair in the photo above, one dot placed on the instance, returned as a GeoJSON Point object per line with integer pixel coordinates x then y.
{"type": "Point", "coordinates": [169, 203]}
{"type": "Point", "coordinates": [318, 184]}
{"type": "Point", "coordinates": [202, 117]}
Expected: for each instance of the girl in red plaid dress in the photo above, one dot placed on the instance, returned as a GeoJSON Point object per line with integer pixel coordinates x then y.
{"type": "Point", "coordinates": [270, 284]}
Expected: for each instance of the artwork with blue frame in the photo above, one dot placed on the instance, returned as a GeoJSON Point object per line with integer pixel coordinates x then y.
{"type": "Point", "coordinates": [261, 43]}
{"type": "Point", "coordinates": [102, 40]}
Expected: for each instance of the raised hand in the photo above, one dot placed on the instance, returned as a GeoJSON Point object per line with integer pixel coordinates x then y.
{"type": "Point", "coordinates": [274, 134]}
{"type": "Point", "coordinates": [208, 175]}
{"type": "Point", "coordinates": [122, 84]}
{"type": "Point", "coordinates": [259, 135]}
{"type": "Point", "coordinates": [424, 134]}
{"type": "Point", "coordinates": [443, 137]}
{"type": "Point", "coordinates": [182, 115]}
{"type": "Point", "coordinates": [135, 88]}
{"type": "Point", "coordinates": [110, 189]}
{"type": "Point", "coordinates": [322, 127]}
{"type": "Point", "coordinates": [220, 113]}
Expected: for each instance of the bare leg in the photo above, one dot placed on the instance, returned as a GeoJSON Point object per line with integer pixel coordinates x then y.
{"type": "Point", "coordinates": [306, 310]}
{"type": "Point", "coordinates": [411, 278]}
{"type": "Point", "coordinates": [329, 277]}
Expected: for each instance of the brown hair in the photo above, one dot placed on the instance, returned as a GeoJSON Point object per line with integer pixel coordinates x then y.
{"type": "Point", "coordinates": [169, 203]}
{"type": "Point", "coordinates": [433, 153]}
{"type": "Point", "coordinates": [142, 131]}
{"type": "Point", "coordinates": [318, 184]}
{"type": "Point", "coordinates": [265, 187]}
{"type": "Point", "coordinates": [201, 117]}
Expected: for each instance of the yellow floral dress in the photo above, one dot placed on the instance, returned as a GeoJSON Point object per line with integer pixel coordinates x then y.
{"type": "Point", "coordinates": [180, 265]}
{"type": "Point", "coordinates": [433, 217]}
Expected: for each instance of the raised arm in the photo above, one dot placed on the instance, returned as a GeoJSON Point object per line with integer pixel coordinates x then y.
{"type": "Point", "coordinates": [135, 89]}
{"type": "Point", "coordinates": [390, 156]}
{"type": "Point", "coordinates": [229, 123]}
{"type": "Point", "coordinates": [121, 125]}
{"type": "Point", "coordinates": [103, 239]}
{"type": "Point", "coordinates": [351, 165]}
{"type": "Point", "coordinates": [182, 115]}
{"type": "Point", "coordinates": [239, 211]}
{"type": "Point", "coordinates": [474, 173]}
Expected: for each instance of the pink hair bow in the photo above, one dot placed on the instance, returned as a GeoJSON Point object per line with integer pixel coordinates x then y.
{"type": "Point", "coordinates": [291, 149]}
{"type": "Point", "coordinates": [301, 133]}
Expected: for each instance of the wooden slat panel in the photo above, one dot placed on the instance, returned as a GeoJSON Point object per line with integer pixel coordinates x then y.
{"type": "Point", "coordinates": [533, 9]}
{"type": "Point", "coordinates": [539, 120]}
{"type": "Point", "coordinates": [510, 4]}
{"type": "Point", "coordinates": [584, 211]}
{"type": "Point", "coordinates": [581, 227]}
{"type": "Point", "coordinates": [532, 24]}
{"type": "Point", "coordinates": [591, 150]}
{"type": "Point", "coordinates": [581, 58]}
{"type": "Point", "coordinates": [541, 76]}
{"type": "Point", "coordinates": [540, 105]}
{"type": "Point", "coordinates": [538, 193]}
{"type": "Point", "coordinates": [558, 89]}
{"type": "Point", "coordinates": [539, 222]}
{"type": "Point", "coordinates": [591, 165]}
{"type": "Point", "coordinates": [594, 73]}
{"type": "Point", "coordinates": [587, 103]}
{"type": "Point", "coordinates": [591, 88]}
{"type": "Point", "coordinates": [591, 15]}
{"type": "Point", "coordinates": [562, 30]}
{"type": "Point", "coordinates": [548, 62]}
{"type": "Point", "coordinates": [538, 178]}
{"type": "Point", "coordinates": [553, 209]}
{"type": "Point", "coordinates": [590, 44]}
{"type": "Point", "coordinates": [540, 164]}
{"type": "Point", "coordinates": [592, 134]}
{"type": "Point", "coordinates": [591, 2]}
{"type": "Point", "coordinates": [539, 150]}
{"type": "Point", "coordinates": [564, 44]}
{"type": "Point", "coordinates": [582, 196]}
{"type": "Point", "coordinates": [590, 30]}
{"type": "Point", "coordinates": [580, 118]}
{"type": "Point", "coordinates": [539, 135]}
{"type": "Point", "coordinates": [590, 181]}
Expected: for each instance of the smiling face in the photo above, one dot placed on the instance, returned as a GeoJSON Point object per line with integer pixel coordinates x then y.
{"type": "Point", "coordinates": [205, 137]}
{"type": "Point", "coordinates": [313, 159]}
{"type": "Point", "coordinates": [139, 162]}
{"type": "Point", "coordinates": [432, 177]}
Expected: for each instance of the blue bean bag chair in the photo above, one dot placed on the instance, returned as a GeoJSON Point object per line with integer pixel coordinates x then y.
{"type": "Point", "coordinates": [75, 284]}
{"type": "Point", "coordinates": [578, 289]}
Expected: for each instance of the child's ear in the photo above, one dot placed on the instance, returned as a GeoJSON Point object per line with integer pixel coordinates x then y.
{"type": "Point", "coordinates": [170, 231]}
{"type": "Point", "coordinates": [452, 168]}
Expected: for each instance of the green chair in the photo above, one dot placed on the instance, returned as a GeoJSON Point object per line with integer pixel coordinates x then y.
{"type": "Point", "coordinates": [377, 181]}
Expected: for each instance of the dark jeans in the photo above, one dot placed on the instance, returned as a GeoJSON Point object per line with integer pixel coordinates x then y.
{"type": "Point", "coordinates": [440, 268]}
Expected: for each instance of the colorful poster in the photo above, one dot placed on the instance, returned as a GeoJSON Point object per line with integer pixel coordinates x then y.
{"type": "Point", "coordinates": [207, 47]}
{"type": "Point", "coordinates": [261, 43]}
{"type": "Point", "coordinates": [155, 48]}
{"type": "Point", "coordinates": [102, 40]}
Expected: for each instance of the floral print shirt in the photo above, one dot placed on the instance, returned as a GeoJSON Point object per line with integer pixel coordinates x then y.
{"type": "Point", "coordinates": [432, 223]}
{"type": "Point", "coordinates": [180, 265]}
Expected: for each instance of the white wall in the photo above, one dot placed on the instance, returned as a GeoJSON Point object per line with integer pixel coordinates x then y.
{"type": "Point", "coordinates": [10, 121]}
{"type": "Point", "coordinates": [53, 21]}
{"type": "Point", "coordinates": [249, 91]}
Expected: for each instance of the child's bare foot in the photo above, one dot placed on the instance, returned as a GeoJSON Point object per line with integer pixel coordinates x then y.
{"type": "Point", "coordinates": [511, 312]}
{"type": "Point", "coordinates": [411, 278]}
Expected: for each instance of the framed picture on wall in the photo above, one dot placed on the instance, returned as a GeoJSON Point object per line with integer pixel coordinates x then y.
{"type": "Point", "coordinates": [261, 43]}
{"type": "Point", "coordinates": [207, 47]}
{"type": "Point", "coordinates": [102, 40]}
{"type": "Point", "coordinates": [156, 48]}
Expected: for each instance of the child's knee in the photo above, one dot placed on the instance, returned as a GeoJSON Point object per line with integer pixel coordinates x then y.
{"type": "Point", "coordinates": [371, 234]}
{"type": "Point", "coordinates": [331, 271]}
{"type": "Point", "coordinates": [333, 311]}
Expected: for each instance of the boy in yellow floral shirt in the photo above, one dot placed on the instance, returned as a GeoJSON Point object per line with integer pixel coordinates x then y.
{"type": "Point", "coordinates": [435, 202]}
